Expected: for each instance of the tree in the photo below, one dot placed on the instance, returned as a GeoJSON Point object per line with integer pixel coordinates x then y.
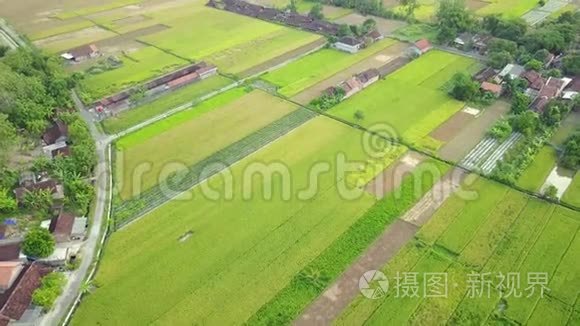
{"type": "Point", "coordinates": [452, 18]}
{"type": "Point", "coordinates": [79, 193]}
{"type": "Point", "coordinates": [571, 156]}
{"type": "Point", "coordinates": [500, 45]}
{"type": "Point", "coordinates": [509, 29]}
{"type": "Point", "coordinates": [344, 30]}
{"type": "Point", "coordinates": [3, 50]}
{"type": "Point", "coordinates": [316, 11]}
{"type": "Point", "coordinates": [464, 88]}
{"type": "Point", "coordinates": [513, 86]}
{"type": "Point", "coordinates": [50, 289]}
{"type": "Point", "coordinates": [39, 200]}
{"type": "Point", "coordinates": [409, 7]}
{"type": "Point", "coordinates": [359, 115]}
{"type": "Point", "coordinates": [553, 114]}
{"type": "Point", "coordinates": [8, 137]}
{"type": "Point", "coordinates": [525, 123]}
{"type": "Point", "coordinates": [7, 202]}
{"type": "Point", "coordinates": [541, 55]}
{"type": "Point", "coordinates": [571, 64]}
{"type": "Point", "coordinates": [38, 243]}
{"type": "Point", "coordinates": [551, 192]}
{"type": "Point", "coordinates": [368, 25]}
{"type": "Point", "coordinates": [534, 65]}
{"type": "Point", "coordinates": [501, 130]}
{"type": "Point", "coordinates": [498, 60]}
{"type": "Point", "coordinates": [292, 7]}
{"type": "Point", "coordinates": [138, 94]}
{"type": "Point", "coordinates": [520, 103]}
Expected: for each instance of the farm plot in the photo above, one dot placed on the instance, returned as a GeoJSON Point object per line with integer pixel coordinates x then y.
{"type": "Point", "coordinates": [249, 249]}
{"type": "Point", "coordinates": [253, 42]}
{"type": "Point", "coordinates": [510, 8]}
{"type": "Point", "coordinates": [395, 99]}
{"type": "Point", "coordinates": [535, 175]}
{"type": "Point", "coordinates": [187, 94]}
{"type": "Point", "coordinates": [183, 139]}
{"type": "Point", "coordinates": [514, 233]}
{"type": "Point", "coordinates": [572, 195]}
{"type": "Point", "coordinates": [65, 41]}
{"type": "Point", "coordinates": [138, 66]}
{"type": "Point", "coordinates": [316, 67]}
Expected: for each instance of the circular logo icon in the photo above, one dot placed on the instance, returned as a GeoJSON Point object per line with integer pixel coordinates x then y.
{"type": "Point", "coordinates": [373, 284]}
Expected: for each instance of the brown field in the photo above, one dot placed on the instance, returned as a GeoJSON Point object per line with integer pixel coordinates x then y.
{"type": "Point", "coordinates": [473, 132]}
{"type": "Point", "coordinates": [452, 127]}
{"type": "Point", "coordinates": [385, 26]}
{"type": "Point", "coordinates": [375, 61]}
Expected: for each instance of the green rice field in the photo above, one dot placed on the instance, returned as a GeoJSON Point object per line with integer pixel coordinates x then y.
{"type": "Point", "coordinates": [511, 8]}
{"type": "Point", "coordinates": [535, 175]}
{"type": "Point", "coordinates": [572, 194]}
{"type": "Point", "coordinates": [307, 71]}
{"type": "Point", "coordinates": [166, 147]}
{"type": "Point", "coordinates": [499, 230]}
{"type": "Point", "coordinates": [166, 102]}
{"type": "Point", "coordinates": [411, 100]}
{"type": "Point", "coordinates": [247, 249]}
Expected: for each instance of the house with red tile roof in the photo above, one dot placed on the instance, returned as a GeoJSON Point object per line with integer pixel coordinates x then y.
{"type": "Point", "coordinates": [492, 88]}
{"type": "Point", "coordinates": [61, 226]}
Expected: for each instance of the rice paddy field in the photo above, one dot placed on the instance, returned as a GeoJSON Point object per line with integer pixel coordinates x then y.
{"type": "Point", "coordinates": [535, 175]}
{"type": "Point", "coordinates": [252, 250]}
{"type": "Point", "coordinates": [572, 194]}
{"type": "Point", "coordinates": [316, 67]}
{"type": "Point", "coordinates": [189, 136]}
{"type": "Point", "coordinates": [501, 230]}
{"type": "Point", "coordinates": [412, 100]}
{"type": "Point", "coordinates": [187, 94]}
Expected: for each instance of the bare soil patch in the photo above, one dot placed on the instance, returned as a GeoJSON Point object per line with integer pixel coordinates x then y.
{"type": "Point", "coordinates": [88, 34]}
{"type": "Point", "coordinates": [282, 58]}
{"type": "Point", "coordinates": [390, 3]}
{"type": "Point", "coordinates": [474, 5]}
{"type": "Point", "coordinates": [450, 128]}
{"type": "Point", "coordinates": [473, 132]}
{"type": "Point", "coordinates": [377, 60]}
{"type": "Point", "coordinates": [392, 177]}
{"type": "Point", "coordinates": [385, 26]}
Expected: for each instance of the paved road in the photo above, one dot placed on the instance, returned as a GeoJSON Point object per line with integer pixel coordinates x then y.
{"type": "Point", "coordinates": [95, 236]}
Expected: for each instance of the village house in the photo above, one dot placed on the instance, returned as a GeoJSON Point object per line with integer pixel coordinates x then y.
{"type": "Point", "coordinates": [535, 82]}
{"type": "Point", "coordinates": [10, 250]}
{"type": "Point", "coordinates": [512, 70]}
{"type": "Point", "coordinates": [485, 74]}
{"type": "Point", "coordinates": [348, 44]}
{"type": "Point", "coordinates": [351, 86]}
{"type": "Point", "coordinates": [375, 35]}
{"type": "Point", "coordinates": [9, 272]}
{"type": "Point", "coordinates": [17, 298]}
{"type": "Point", "coordinates": [492, 88]}
{"type": "Point", "coordinates": [551, 89]}
{"type": "Point", "coordinates": [61, 226]}
{"type": "Point", "coordinates": [572, 90]}
{"type": "Point", "coordinates": [81, 53]}
{"type": "Point", "coordinates": [55, 189]}
{"type": "Point", "coordinates": [467, 41]}
{"type": "Point", "coordinates": [367, 77]}
{"type": "Point", "coordinates": [421, 46]}
{"type": "Point", "coordinates": [54, 137]}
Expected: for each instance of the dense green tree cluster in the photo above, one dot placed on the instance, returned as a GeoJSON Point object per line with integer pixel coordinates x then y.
{"type": "Point", "coordinates": [571, 156]}
{"type": "Point", "coordinates": [50, 289]}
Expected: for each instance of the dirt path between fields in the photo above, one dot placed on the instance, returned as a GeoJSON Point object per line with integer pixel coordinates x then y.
{"type": "Point", "coordinates": [325, 309]}
{"type": "Point", "coordinates": [376, 60]}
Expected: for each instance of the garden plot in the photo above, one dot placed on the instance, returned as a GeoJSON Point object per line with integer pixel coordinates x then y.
{"type": "Point", "coordinates": [560, 178]}
{"type": "Point", "coordinates": [501, 230]}
{"type": "Point", "coordinates": [538, 14]}
{"type": "Point", "coordinates": [410, 100]}
{"type": "Point", "coordinates": [486, 155]}
{"type": "Point", "coordinates": [248, 249]}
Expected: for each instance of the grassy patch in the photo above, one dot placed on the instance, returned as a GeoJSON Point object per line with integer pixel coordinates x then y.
{"type": "Point", "coordinates": [550, 312]}
{"type": "Point", "coordinates": [510, 8]}
{"type": "Point", "coordinates": [535, 175]}
{"type": "Point", "coordinates": [307, 71]}
{"type": "Point", "coordinates": [416, 32]}
{"type": "Point", "coordinates": [572, 194]}
{"type": "Point", "coordinates": [165, 103]}
{"type": "Point", "coordinates": [396, 101]}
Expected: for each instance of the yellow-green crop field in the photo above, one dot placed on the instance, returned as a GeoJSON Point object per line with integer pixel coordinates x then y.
{"type": "Point", "coordinates": [501, 231]}
{"type": "Point", "coordinates": [410, 100]}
